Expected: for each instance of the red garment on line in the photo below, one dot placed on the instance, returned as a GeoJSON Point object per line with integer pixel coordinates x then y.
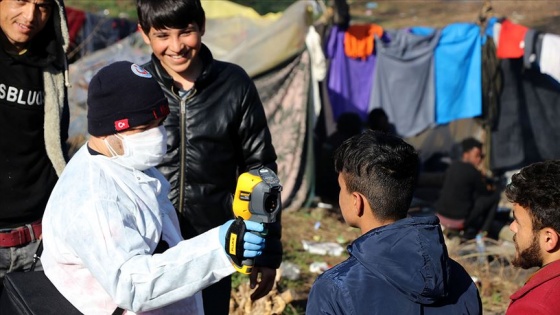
{"type": "Point", "coordinates": [512, 40]}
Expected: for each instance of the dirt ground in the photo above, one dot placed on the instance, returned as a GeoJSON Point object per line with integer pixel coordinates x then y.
{"type": "Point", "coordinates": [538, 14]}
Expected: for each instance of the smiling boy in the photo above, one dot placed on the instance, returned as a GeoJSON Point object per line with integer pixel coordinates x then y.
{"type": "Point", "coordinates": [216, 130]}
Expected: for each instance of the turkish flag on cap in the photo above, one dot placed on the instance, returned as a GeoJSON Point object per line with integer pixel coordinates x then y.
{"type": "Point", "coordinates": [121, 124]}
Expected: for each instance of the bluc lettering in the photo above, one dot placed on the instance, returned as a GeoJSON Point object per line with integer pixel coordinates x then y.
{"type": "Point", "coordinates": [15, 95]}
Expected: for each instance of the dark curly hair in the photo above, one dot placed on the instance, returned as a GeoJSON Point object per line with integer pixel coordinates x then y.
{"type": "Point", "coordinates": [537, 188]}
{"type": "Point", "coordinates": [383, 168]}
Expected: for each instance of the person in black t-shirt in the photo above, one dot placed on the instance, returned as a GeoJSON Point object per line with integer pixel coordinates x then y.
{"type": "Point", "coordinates": [465, 194]}
{"type": "Point", "coordinates": [34, 120]}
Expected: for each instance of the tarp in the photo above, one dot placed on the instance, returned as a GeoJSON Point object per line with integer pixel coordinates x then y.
{"type": "Point", "coordinates": [258, 43]}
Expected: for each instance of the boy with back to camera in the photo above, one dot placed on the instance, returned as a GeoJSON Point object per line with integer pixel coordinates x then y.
{"type": "Point", "coordinates": [400, 264]}
{"type": "Point", "coordinates": [216, 130]}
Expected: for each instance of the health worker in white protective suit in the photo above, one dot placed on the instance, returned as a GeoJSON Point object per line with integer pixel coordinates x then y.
{"type": "Point", "coordinates": [111, 235]}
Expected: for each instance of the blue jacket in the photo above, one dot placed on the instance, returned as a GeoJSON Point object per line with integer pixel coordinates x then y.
{"type": "Point", "coordinates": [400, 268]}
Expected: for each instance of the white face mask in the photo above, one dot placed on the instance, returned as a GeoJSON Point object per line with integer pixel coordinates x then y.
{"type": "Point", "coordinates": [142, 150]}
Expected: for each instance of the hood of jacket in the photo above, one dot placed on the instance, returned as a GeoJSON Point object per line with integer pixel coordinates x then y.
{"type": "Point", "coordinates": [410, 255]}
{"type": "Point", "coordinates": [54, 39]}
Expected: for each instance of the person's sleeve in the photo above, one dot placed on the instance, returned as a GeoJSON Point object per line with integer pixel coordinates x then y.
{"type": "Point", "coordinates": [256, 141]}
{"type": "Point", "coordinates": [326, 297]}
{"type": "Point", "coordinates": [121, 260]}
{"type": "Point", "coordinates": [479, 183]}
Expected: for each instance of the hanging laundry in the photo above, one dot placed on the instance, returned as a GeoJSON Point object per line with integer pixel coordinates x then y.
{"type": "Point", "coordinates": [492, 84]}
{"type": "Point", "coordinates": [512, 40]}
{"type": "Point", "coordinates": [318, 67]}
{"type": "Point", "coordinates": [549, 60]}
{"type": "Point", "coordinates": [349, 80]}
{"type": "Point", "coordinates": [532, 48]}
{"type": "Point", "coordinates": [458, 67]}
{"type": "Point", "coordinates": [528, 129]}
{"type": "Point", "coordinates": [542, 99]}
{"type": "Point", "coordinates": [507, 145]}
{"type": "Point", "coordinates": [403, 84]}
{"type": "Point", "coordinates": [359, 40]}
{"type": "Point", "coordinates": [497, 28]}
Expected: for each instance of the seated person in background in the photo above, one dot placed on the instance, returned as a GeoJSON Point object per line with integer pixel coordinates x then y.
{"type": "Point", "coordinates": [466, 194]}
{"type": "Point", "coordinates": [111, 235]}
{"type": "Point", "coordinates": [400, 264]}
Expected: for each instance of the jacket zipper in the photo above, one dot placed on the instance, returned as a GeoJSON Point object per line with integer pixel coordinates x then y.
{"type": "Point", "coordinates": [183, 153]}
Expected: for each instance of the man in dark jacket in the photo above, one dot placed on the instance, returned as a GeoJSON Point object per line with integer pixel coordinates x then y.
{"type": "Point", "coordinates": [217, 129]}
{"type": "Point", "coordinates": [466, 193]}
{"type": "Point", "coordinates": [34, 119]}
{"type": "Point", "coordinates": [399, 265]}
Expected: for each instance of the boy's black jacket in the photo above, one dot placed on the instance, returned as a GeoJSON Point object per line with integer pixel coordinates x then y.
{"type": "Point", "coordinates": [226, 133]}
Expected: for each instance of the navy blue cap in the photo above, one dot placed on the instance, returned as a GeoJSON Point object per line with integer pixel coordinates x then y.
{"type": "Point", "coordinates": [123, 95]}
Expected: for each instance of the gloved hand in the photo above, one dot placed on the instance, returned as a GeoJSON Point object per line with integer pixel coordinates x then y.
{"type": "Point", "coordinates": [253, 244]}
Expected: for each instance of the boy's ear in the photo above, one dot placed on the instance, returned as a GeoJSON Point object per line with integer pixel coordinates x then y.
{"type": "Point", "coordinates": [358, 202]}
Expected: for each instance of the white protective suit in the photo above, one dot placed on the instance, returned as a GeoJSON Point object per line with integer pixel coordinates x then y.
{"type": "Point", "coordinates": [100, 228]}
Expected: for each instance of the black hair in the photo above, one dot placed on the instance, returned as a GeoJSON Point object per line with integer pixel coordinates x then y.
{"type": "Point", "coordinates": [382, 167]}
{"type": "Point", "coordinates": [469, 144]}
{"type": "Point", "coordinates": [161, 14]}
{"type": "Point", "coordinates": [537, 188]}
